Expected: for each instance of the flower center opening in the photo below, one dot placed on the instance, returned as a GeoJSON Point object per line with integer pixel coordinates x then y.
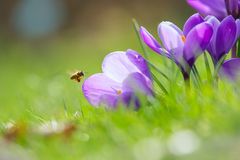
{"type": "Point", "coordinates": [119, 92]}
{"type": "Point", "coordinates": [183, 38]}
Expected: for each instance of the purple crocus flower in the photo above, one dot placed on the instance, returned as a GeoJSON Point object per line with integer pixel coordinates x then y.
{"type": "Point", "coordinates": [224, 37]}
{"type": "Point", "coordinates": [183, 47]}
{"type": "Point", "coordinates": [125, 75]}
{"type": "Point", "coordinates": [231, 69]}
{"type": "Point", "coordinates": [217, 8]}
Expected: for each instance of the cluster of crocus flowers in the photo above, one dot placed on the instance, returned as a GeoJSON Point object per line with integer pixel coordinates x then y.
{"type": "Point", "coordinates": [183, 47]}
{"type": "Point", "coordinates": [199, 34]}
{"type": "Point", "coordinates": [224, 16]}
{"type": "Point", "coordinates": [125, 75]}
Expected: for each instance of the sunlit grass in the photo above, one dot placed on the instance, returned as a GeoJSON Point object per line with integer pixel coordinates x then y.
{"type": "Point", "coordinates": [199, 123]}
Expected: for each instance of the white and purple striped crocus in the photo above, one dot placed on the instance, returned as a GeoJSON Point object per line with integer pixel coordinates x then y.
{"type": "Point", "coordinates": [183, 47]}
{"type": "Point", "coordinates": [125, 76]}
{"type": "Point", "coordinates": [217, 8]}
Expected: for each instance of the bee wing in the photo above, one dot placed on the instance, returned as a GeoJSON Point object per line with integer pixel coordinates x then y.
{"type": "Point", "coordinates": [74, 76]}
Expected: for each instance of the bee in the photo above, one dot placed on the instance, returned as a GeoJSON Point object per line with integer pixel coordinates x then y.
{"type": "Point", "coordinates": [77, 76]}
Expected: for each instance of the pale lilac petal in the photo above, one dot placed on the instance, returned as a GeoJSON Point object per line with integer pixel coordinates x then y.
{"type": "Point", "coordinates": [231, 69]}
{"type": "Point", "coordinates": [210, 7]}
{"type": "Point", "coordinates": [111, 101]}
{"type": "Point", "coordinates": [137, 83]}
{"type": "Point", "coordinates": [197, 41]}
{"type": "Point", "coordinates": [100, 89]}
{"type": "Point", "coordinates": [192, 22]}
{"type": "Point", "coordinates": [118, 66]}
{"type": "Point", "coordinates": [172, 37]}
{"type": "Point", "coordinates": [150, 40]}
{"type": "Point", "coordinates": [127, 98]}
{"type": "Point", "coordinates": [133, 86]}
{"type": "Point", "coordinates": [226, 35]}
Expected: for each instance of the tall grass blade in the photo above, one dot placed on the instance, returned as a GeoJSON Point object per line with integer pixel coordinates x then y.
{"type": "Point", "coordinates": [207, 65]}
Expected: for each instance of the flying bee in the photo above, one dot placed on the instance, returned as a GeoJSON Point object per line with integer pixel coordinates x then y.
{"type": "Point", "coordinates": [77, 76]}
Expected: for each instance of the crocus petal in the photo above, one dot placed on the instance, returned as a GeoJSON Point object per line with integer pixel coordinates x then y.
{"type": "Point", "coordinates": [231, 69]}
{"type": "Point", "coordinates": [139, 62]}
{"type": "Point", "coordinates": [226, 35]}
{"type": "Point", "coordinates": [197, 41]}
{"type": "Point", "coordinates": [136, 83]}
{"type": "Point", "coordinates": [100, 89]}
{"type": "Point", "coordinates": [118, 66]}
{"type": "Point", "coordinates": [108, 100]}
{"type": "Point", "coordinates": [192, 22]}
{"type": "Point", "coordinates": [133, 86]}
{"type": "Point", "coordinates": [171, 37]}
{"type": "Point", "coordinates": [212, 46]}
{"type": "Point", "coordinates": [210, 7]}
{"type": "Point", "coordinates": [213, 21]}
{"type": "Point", "coordinates": [150, 40]}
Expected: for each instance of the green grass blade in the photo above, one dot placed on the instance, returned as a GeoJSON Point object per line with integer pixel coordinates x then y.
{"type": "Point", "coordinates": [207, 65]}
{"type": "Point", "coordinates": [157, 69]}
{"type": "Point", "coordinates": [159, 84]}
{"type": "Point", "coordinates": [196, 73]}
{"type": "Point", "coordinates": [218, 66]}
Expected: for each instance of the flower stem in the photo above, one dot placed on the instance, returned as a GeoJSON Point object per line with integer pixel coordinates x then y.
{"type": "Point", "coordinates": [234, 50]}
{"type": "Point", "coordinates": [217, 67]}
{"type": "Point", "coordinates": [196, 74]}
{"type": "Point", "coordinates": [186, 78]}
{"type": "Point", "coordinates": [215, 82]}
{"type": "Point", "coordinates": [238, 48]}
{"type": "Point", "coordinates": [207, 65]}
